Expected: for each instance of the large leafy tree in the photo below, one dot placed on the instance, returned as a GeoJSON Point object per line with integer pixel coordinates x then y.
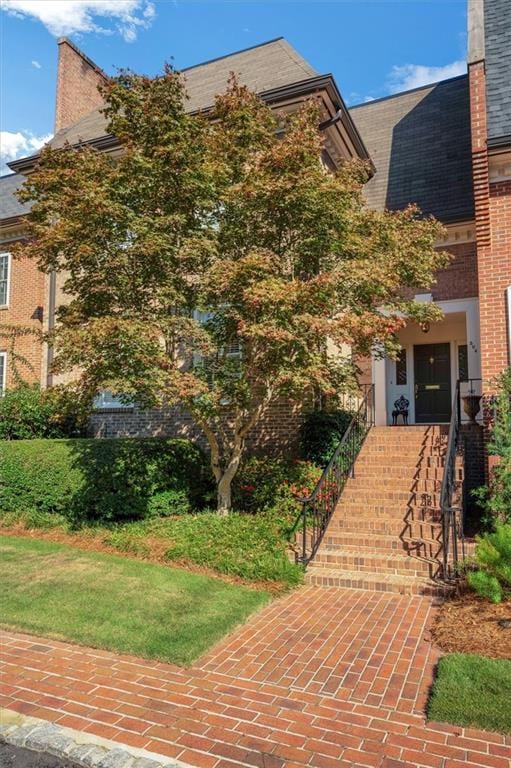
{"type": "Point", "coordinates": [232, 215]}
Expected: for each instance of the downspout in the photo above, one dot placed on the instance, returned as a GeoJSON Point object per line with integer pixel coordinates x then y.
{"type": "Point", "coordinates": [51, 325]}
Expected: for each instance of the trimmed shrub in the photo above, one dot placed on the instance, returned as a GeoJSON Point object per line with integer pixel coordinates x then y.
{"type": "Point", "coordinates": [496, 500]}
{"type": "Point", "coordinates": [101, 480]}
{"type": "Point", "coordinates": [265, 483]}
{"type": "Point", "coordinates": [321, 433]}
{"type": "Point", "coordinates": [492, 579]}
{"type": "Point", "coordinates": [27, 413]}
{"type": "Point", "coordinates": [169, 503]}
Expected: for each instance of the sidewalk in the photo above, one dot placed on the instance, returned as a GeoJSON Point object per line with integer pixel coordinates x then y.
{"type": "Point", "coordinates": [323, 678]}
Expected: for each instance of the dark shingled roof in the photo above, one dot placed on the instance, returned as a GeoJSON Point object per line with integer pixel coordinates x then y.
{"type": "Point", "coordinates": [497, 39]}
{"type": "Point", "coordinates": [263, 67]}
{"type": "Point", "coordinates": [419, 142]}
{"type": "Point", "coordinates": [9, 204]}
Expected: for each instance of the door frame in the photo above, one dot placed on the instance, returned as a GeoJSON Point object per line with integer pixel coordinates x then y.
{"type": "Point", "coordinates": [453, 365]}
{"type": "Point", "coordinates": [408, 390]}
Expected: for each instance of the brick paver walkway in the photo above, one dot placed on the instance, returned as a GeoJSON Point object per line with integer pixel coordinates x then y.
{"type": "Point", "coordinates": [323, 677]}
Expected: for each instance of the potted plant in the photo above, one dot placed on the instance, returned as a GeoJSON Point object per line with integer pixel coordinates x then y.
{"type": "Point", "coordinates": [471, 406]}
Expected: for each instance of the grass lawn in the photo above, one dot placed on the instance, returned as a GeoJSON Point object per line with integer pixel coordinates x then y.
{"type": "Point", "coordinates": [473, 691]}
{"type": "Point", "coordinates": [117, 603]}
{"type": "Point", "coordinates": [248, 547]}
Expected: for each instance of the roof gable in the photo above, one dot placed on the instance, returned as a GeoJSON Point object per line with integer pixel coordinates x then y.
{"type": "Point", "coordinates": [263, 67]}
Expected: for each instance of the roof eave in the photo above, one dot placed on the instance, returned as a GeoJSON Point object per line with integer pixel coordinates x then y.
{"type": "Point", "coordinates": [10, 221]}
{"type": "Point", "coordinates": [301, 88]}
{"type": "Point", "coordinates": [499, 141]}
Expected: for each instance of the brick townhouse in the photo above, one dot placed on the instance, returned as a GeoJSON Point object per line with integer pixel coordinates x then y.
{"type": "Point", "coordinates": [445, 146]}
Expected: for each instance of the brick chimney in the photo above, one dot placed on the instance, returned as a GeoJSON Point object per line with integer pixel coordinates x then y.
{"type": "Point", "coordinates": [78, 79]}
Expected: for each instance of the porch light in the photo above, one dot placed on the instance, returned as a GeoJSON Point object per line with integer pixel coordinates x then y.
{"type": "Point", "coordinates": [424, 327]}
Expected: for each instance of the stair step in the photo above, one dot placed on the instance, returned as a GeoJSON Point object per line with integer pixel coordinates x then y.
{"type": "Point", "coordinates": [375, 582]}
{"type": "Point", "coordinates": [385, 544]}
{"type": "Point", "coordinates": [414, 529]}
{"type": "Point", "coordinates": [417, 482]}
{"type": "Point", "coordinates": [353, 559]}
{"type": "Point", "coordinates": [375, 495]}
{"type": "Point", "coordinates": [400, 474]}
{"type": "Point", "coordinates": [388, 510]}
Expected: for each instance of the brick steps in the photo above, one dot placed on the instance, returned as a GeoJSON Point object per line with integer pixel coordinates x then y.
{"type": "Point", "coordinates": [385, 534]}
{"type": "Point", "coordinates": [420, 529]}
{"type": "Point", "coordinates": [376, 582]}
{"type": "Point", "coordinates": [382, 543]}
{"type": "Point", "coordinates": [390, 510]}
{"type": "Point", "coordinates": [425, 477]}
{"type": "Point", "coordinates": [381, 460]}
{"type": "Point", "coordinates": [355, 559]}
{"type": "Point", "coordinates": [361, 495]}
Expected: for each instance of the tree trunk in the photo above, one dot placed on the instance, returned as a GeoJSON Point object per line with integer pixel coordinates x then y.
{"type": "Point", "coordinates": [224, 496]}
{"type": "Point", "coordinates": [224, 483]}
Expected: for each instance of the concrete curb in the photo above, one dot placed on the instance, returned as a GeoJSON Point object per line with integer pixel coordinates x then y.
{"type": "Point", "coordinates": [82, 749]}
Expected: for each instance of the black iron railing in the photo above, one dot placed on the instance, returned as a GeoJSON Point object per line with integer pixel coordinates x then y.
{"type": "Point", "coordinates": [318, 508]}
{"type": "Point", "coordinates": [452, 500]}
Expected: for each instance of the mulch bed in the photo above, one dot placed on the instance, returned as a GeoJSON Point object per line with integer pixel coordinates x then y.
{"type": "Point", "coordinates": [468, 624]}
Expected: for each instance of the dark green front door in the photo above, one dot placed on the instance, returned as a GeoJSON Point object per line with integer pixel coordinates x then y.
{"type": "Point", "coordinates": [432, 368]}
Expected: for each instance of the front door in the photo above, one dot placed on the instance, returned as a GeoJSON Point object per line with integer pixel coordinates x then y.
{"type": "Point", "coordinates": [432, 369]}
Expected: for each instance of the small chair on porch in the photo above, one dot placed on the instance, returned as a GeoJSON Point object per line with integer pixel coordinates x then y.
{"type": "Point", "coordinates": [401, 406]}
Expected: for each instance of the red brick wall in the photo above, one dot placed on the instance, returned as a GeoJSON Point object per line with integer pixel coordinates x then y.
{"type": "Point", "coordinates": [26, 302]}
{"type": "Point", "coordinates": [459, 279]}
{"type": "Point", "coordinates": [275, 434]}
{"type": "Point", "coordinates": [494, 278]}
{"type": "Point", "coordinates": [493, 228]}
{"type": "Point", "coordinates": [78, 79]}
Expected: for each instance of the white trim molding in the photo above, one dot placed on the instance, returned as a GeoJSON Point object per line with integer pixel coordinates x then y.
{"type": "Point", "coordinates": [464, 232]}
{"type": "Point", "coordinates": [500, 167]}
{"type": "Point", "coordinates": [3, 372]}
{"type": "Point", "coordinates": [5, 304]}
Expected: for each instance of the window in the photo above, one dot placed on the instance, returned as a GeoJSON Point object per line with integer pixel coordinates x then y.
{"type": "Point", "coordinates": [5, 261]}
{"type": "Point", "coordinates": [232, 351]}
{"type": "Point", "coordinates": [401, 377]}
{"type": "Point", "coordinates": [3, 371]}
{"type": "Point", "coordinates": [462, 362]}
{"type": "Point", "coordinates": [105, 400]}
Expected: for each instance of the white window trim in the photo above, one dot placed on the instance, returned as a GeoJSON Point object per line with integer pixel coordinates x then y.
{"type": "Point", "coordinates": [3, 381]}
{"type": "Point", "coordinates": [8, 291]}
{"type": "Point", "coordinates": [198, 358]}
{"type": "Point", "coordinates": [113, 404]}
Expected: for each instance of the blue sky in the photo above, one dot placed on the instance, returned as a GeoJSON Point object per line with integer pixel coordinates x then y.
{"type": "Point", "coordinates": [372, 47]}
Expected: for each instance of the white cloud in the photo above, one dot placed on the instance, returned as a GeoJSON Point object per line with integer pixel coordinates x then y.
{"type": "Point", "coordinates": [408, 76]}
{"type": "Point", "coordinates": [18, 144]}
{"type": "Point", "coordinates": [67, 17]}
{"type": "Point", "coordinates": [36, 64]}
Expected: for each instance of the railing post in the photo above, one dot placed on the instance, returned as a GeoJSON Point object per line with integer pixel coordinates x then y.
{"type": "Point", "coordinates": [304, 535]}
{"type": "Point", "coordinates": [458, 401]}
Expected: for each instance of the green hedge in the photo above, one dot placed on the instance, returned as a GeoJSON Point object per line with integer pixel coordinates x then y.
{"type": "Point", "coordinates": [102, 480]}
{"type": "Point", "coordinates": [321, 433]}
{"type": "Point", "coordinates": [27, 413]}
